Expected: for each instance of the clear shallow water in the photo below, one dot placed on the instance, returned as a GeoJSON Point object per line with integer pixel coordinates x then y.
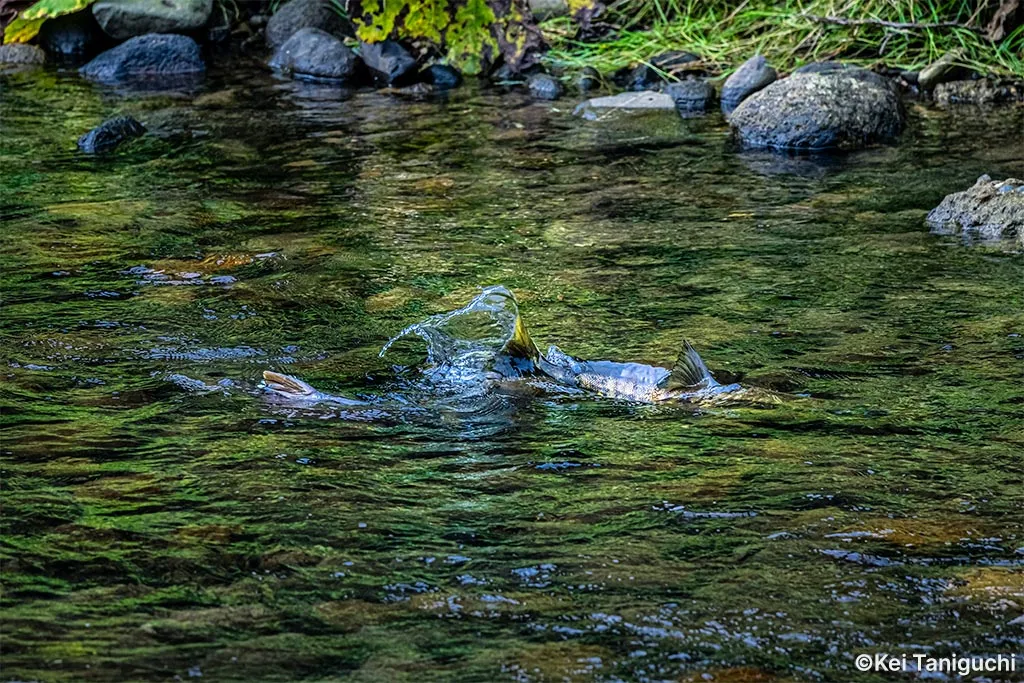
{"type": "Point", "coordinates": [151, 531]}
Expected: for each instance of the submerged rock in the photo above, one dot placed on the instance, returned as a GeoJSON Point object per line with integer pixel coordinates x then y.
{"type": "Point", "coordinates": [389, 61]}
{"type": "Point", "coordinates": [72, 37]}
{"type": "Point", "coordinates": [691, 96]}
{"type": "Point", "coordinates": [443, 77]}
{"type": "Point", "coordinates": [317, 54]}
{"type": "Point", "coordinates": [991, 209]}
{"type": "Point", "coordinates": [753, 75]}
{"type": "Point", "coordinates": [20, 55]}
{"type": "Point", "coordinates": [123, 19]}
{"type": "Point", "coordinates": [147, 57]}
{"type": "Point", "coordinates": [110, 134]}
{"type": "Point", "coordinates": [299, 14]}
{"type": "Point", "coordinates": [544, 87]}
{"type": "Point", "coordinates": [826, 110]}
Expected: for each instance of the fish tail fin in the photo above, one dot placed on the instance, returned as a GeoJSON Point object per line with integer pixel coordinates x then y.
{"type": "Point", "coordinates": [689, 370]}
{"type": "Point", "coordinates": [287, 384]}
{"type": "Point", "coordinates": [521, 345]}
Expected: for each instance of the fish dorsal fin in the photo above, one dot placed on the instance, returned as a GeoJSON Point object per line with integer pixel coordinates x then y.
{"type": "Point", "coordinates": [520, 344]}
{"type": "Point", "coordinates": [287, 384]}
{"type": "Point", "coordinates": [689, 370]}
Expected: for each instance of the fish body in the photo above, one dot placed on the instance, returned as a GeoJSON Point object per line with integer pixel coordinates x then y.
{"type": "Point", "coordinates": [465, 366]}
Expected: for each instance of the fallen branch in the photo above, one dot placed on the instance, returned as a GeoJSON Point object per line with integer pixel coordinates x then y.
{"type": "Point", "coordinates": [899, 25]}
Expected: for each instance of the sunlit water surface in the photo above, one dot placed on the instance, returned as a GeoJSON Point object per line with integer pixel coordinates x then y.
{"type": "Point", "coordinates": [162, 518]}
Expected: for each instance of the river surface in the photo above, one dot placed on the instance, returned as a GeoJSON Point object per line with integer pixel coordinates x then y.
{"type": "Point", "coordinates": [163, 520]}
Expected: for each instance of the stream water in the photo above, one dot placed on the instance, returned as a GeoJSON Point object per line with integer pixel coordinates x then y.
{"type": "Point", "coordinates": [162, 518]}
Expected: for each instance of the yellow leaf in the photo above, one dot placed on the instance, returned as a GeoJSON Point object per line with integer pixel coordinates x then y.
{"type": "Point", "coordinates": [28, 22]}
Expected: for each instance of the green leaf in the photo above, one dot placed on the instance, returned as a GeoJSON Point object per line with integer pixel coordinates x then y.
{"type": "Point", "coordinates": [28, 22]}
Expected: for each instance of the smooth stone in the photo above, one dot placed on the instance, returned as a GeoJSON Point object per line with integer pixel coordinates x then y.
{"type": "Point", "coordinates": [72, 37]}
{"type": "Point", "coordinates": [110, 134]}
{"type": "Point", "coordinates": [812, 111]}
{"type": "Point", "coordinates": [443, 77]}
{"type": "Point", "coordinates": [317, 54]}
{"type": "Point", "coordinates": [146, 57]}
{"type": "Point", "coordinates": [692, 95]}
{"type": "Point", "coordinates": [299, 14]}
{"type": "Point", "coordinates": [544, 87]}
{"type": "Point", "coordinates": [627, 101]}
{"type": "Point", "coordinates": [990, 208]}
{"type": "Point", "coordinates": [123, 19]}
{"type": "Point", "coordinates": [548, 9]}
{"type": "Point", "coordinates": [588, 79]}
{"type": "Point", "coordinates": [753, 75]}
{"type": "Point", "coordinates": [389, 61]}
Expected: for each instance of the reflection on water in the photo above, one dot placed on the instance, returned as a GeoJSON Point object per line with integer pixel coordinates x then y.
{"type": "Point", "coordinates": [162, 519]}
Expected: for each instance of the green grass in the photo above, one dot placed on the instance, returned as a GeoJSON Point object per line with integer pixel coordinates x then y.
{"type": "Point", "coordinates": [725, 33]}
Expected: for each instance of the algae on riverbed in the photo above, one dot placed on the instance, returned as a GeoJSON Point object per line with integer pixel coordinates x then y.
{"type": "Point", "coordinates": [150, 532]}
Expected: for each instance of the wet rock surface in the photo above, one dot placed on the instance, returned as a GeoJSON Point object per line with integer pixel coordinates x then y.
{"type": "Point", "coordinates": [20, 55]}
{"type": "Point", "coordinates": [753, 75]}
{"type": "Point", "coordinates": [313, 53]}
{"type": "Point", "coordinates": [123, 19]}
{"type": "Point", "coordinates": [845, 109]}
{"type": "Point", "coordinates": [443, 77]}
{"type": "Point", "coordinates": [389, 62]}
{"type": "Point", "coordinates": [981, 91]}
{"type": "Point", "coordinates": [692, 96]}
{"type": "Point", "coordinates": [588, 79]}
{"type": "Point", "coordinates": [627, 101]}
{"type": "Point", "coordinates": [147, 57]}
{"type": "Point", "coordinates": [299, 14]}
{"type": "Point", "coordinates": [110, 134]}
{"type": "Point", "coordinates": [990, 208]}
{"type": "Point", "coordinates": [544, 87]}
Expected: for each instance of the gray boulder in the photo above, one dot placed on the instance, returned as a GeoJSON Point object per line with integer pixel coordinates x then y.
{"type": "Point", "coordinates": [443, 77]}
{"type": "Point", "coordinates": [991, 209]}
{"type": "Point", "coordinates": [123, 19]}
{"type": "Point", "coordinates": [316, 54]}
{"type": "Point", "coordinates": [147, 58]}
{"type": "Point", "coordinates": [808, 111]}
{"type": "Point", "coordinates": [109, 134]}
{"type": "Point", "coordinates": [299, 14]}
{"type": "Point", "coordinates": [692, 96]}
{"type": "Point", "coordinates": [980, 91]}
{"type": "Point", "coordinates": [389, 62]}
{"type": "Point", "coordinates": [20, 55]}
{"type": "Point", "coordinates": [753, 75]}
{"type": "Point", "coordinates": [72, 37]}
{"type": "Point", "coordinates": [544, 87]}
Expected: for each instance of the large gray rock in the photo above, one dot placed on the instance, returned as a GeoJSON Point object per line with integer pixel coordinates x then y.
{"type": "Point", "coordinates": [833, 110]}
{"type": "Point", "coordinates": [389, 62]}
{"type": "Point", "coordinates": [123, 19]}
{"type": "Point", "coordinates": [20, 55]}
{"type": "Point", "coordinates": [544, 87]}
{"type": "Point", "coordinates": [299, 14]}
{"type": "Point", "coordinates": [148, 58]}
{"type": "Point", "coordinates": [753, 75]}
{"type": "Point", "coordinates": [109, 134]}
{"type": "Point", "coordinates": [317, 54]}
{"type": "Point", "coordinates": [991, 209]}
